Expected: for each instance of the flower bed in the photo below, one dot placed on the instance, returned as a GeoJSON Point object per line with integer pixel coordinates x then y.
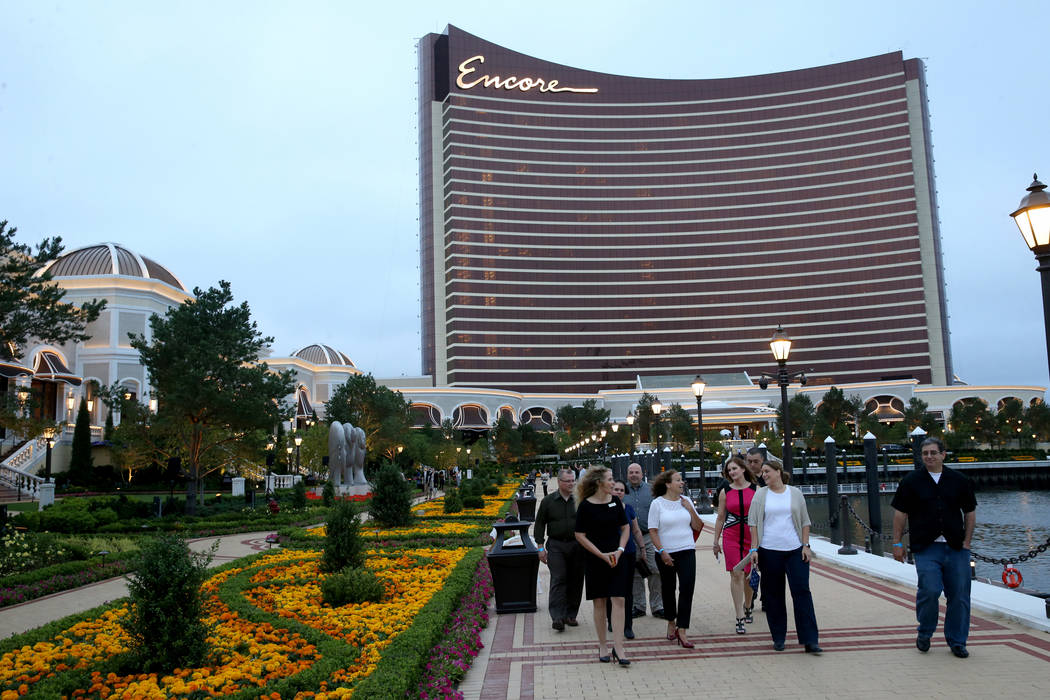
{"type": "Point", "coordinates": [85, 573]}
{"type": "Point", "coordinates": [270, 633]}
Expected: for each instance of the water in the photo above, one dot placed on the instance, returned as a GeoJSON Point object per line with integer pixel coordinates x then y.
{"type": "Point", "coordinates": [1009, 523]}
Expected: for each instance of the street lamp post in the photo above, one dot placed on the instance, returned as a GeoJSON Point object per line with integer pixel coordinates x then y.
{"type": "Point", "coordinates": [698, 392]}
{"type": "Point", "coordinates": [781, 347]}
{"type": "Point", "coordinates": [1033, 219]}
{"type": "Point", "coordinates": [656, 407]}
{"type": "Point", "coordinates": [630, 428]}
{"type": "Point", "coordinates": [289, 461]}
{"type": "Point", "coordinates": [50, 437]}
{"type": "Point", "coordinates": [298, 442]}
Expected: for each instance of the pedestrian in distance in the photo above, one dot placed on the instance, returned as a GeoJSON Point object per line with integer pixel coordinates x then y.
{"type": "Point", "coordinates": [555, 531]}
{"type": "Point", "coordinates": [779, 522]}
{"type": "Point", "coordinates": [672, 520]}
{"type": "Point", "coordinates": [602, 530]}
{"type": "Point", "coordinates": [939, 507]}
{"type": "Point", "coordinates": [731, 528]}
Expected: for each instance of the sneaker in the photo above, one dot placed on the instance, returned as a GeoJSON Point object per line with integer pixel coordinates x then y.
{"type": "Point", "coordinates": [628, 634]}
{"type": "Point", "coordinates": [740, 626]}
{"type": "Point", "coordinates": [960, 652]}
{"type": "Point", "coordinates": [571, 622]}
{"type": "Point", "coordinates": [637, 613]}
{"type": "Point", "coordinates": [813, 649]}
{"type": "Point", "coordinates": [922, 644]}
{"type": "Point", "coordinates": [778, 646]}
{"type": "Point", "coordinates": [658, 613]}
{"type": "Point", "coordinates": [558, 625]}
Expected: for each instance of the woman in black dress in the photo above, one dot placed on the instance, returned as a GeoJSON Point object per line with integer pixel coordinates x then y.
{"type": "Point", "coordinates": [602, 530]}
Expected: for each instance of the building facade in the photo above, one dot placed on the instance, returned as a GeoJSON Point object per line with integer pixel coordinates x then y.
{"type": "Point", "coordinates": [580, 230]}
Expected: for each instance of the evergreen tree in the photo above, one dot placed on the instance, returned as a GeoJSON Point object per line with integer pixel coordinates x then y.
{"type": "Point", "coordinates": [81, 467]}
{"type": "Point", "coordinates": [392, 499]}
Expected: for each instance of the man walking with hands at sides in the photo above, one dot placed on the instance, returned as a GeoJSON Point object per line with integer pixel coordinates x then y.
{"type": "Point", "coordinates": [639, 496]}
{"type": "Point", "coordinates": [555, 534]}
{"type": "Point", "coordinates": [939, 507]}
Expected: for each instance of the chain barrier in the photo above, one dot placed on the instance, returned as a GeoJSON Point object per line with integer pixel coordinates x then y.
{"type": "Point", "coordinates": [867, 528]}
{"type": "Point", "coordinates": [1002, 561]}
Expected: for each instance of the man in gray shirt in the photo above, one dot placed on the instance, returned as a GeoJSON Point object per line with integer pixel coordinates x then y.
{"type": "Point", "coordinates": [640, 496]}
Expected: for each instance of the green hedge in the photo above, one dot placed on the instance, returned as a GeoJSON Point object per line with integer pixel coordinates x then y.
{"type": "Point", "coordinates": [46, 572]}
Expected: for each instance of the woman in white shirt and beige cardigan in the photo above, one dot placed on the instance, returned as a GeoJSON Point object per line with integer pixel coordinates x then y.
{"type": "Point", "coordinates": [779, 523]}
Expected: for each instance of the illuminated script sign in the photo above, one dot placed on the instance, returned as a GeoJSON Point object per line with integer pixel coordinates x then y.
{"type": "Point", "coordinates": [512, 82]}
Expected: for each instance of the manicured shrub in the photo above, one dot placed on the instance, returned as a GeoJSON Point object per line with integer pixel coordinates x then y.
{"type": "Point", "coordinates": [165, 620]}
{"type": "Point", "coordinates": [491, 490]}
{"type": "Point", "coordinates": [352, 585]}
{"type": "Point", "coordinates": [299, 495]}
{"type": "Point", "coordinates": [328, 494]}
{"type": "Point", "coordinates": [392, 498]}
{"type": "Point", "coordinates": [343, 545]}
{"type": "Point", "coordinates": [453, 502]}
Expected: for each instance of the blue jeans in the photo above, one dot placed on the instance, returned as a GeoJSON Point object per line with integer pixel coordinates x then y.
{"type": "Point", "coordinates": [940, 567]}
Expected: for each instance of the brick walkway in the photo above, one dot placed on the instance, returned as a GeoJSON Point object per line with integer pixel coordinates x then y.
{"type": "Point", "coordinates": [867, 633]}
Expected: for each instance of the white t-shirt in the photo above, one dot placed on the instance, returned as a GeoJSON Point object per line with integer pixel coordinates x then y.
{"type": "Point", "coordinates": [672, 521]}
{"type": "Point", "coordinates": [778, 530]}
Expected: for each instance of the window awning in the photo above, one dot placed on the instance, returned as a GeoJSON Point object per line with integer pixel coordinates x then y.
{"type": "Point", "coordinates": [12, 370]}
{"type": "Point", "coordinates": [50, 367]}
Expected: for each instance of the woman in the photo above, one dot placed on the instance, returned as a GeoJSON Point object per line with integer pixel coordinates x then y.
{"type": "Point", "coordinates": [635, 544]}
{"type": "Point", "coordinates": [602, 531]}
{"type": "Point", "coordinates": [672, 520]}
{"type": "Point", "coordinates": [733, 505]}
{"type": "Point", "coordinates": [779, 524]}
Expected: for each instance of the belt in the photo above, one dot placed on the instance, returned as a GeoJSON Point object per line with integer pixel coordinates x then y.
{"type": "Point", "coordinates": [561, 539]}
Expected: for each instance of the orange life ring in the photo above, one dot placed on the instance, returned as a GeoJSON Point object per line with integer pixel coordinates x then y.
{"type": "Point", "coordinates": [1012, 577]}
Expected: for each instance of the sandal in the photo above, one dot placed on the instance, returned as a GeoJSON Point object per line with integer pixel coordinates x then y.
{"type": "Point", "coordinates": [740, 626]}
{"type": "Point", "coordinates": [747, 614]}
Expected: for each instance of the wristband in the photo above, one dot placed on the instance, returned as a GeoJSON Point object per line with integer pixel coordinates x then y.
{"type": "Point", "coordinates": [898, 544]}
{"type": "Point", "coordinates": [754, 550]}
{"type": "Point", "coordinates": [619, 549]}
{"type": "Point", "coordinates": [659, 551]}
{"type": "Point", "coordinates": [540, 549]}
{"type": "Point", "coordinates": [807, 545]}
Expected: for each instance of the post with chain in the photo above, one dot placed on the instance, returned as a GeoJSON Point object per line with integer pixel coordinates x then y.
{"type": "Point", "coordinates": [846, 547]}
{"type": "Point", "coordinates": [871, 466]}
{"type": "Point", "coordinates": [917, 436]}
{"type": "Point", "coordinates": [831, 465]}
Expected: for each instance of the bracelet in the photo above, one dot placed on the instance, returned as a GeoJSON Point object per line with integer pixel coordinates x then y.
{"type": "Point", "coordinates": [619, 549]}
{"type": "Point", "coordinates": [807, 545]}
{"type": "Point", "coordinates": [659, 551]}
{"type": "Point", "coordinates": [753, 550]}
{"type": "Point", "coordinates": [898, 544]}
{"type": "Point", "coordinates": [540, 549]}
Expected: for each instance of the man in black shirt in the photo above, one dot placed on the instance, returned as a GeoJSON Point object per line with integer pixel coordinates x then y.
{"type": "Point", "coordinates": [555, 533]}
{"type": "Point", "coordinates": [939, 506]}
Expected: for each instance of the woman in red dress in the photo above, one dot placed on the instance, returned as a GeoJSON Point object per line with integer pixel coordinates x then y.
{"type": "Point", "coordinates": [733, 506]}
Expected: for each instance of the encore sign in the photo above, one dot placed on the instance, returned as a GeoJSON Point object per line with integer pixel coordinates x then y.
{"type": "Point", "coordinates": [512, 82]}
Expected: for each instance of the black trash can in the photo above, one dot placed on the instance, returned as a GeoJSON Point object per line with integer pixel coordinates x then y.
{"type": "Point", "coordinates": [515, 569]}
{"type": "Point", "coordinates": [526, 500]}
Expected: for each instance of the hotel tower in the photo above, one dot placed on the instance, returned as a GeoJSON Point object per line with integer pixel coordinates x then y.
{"type": "Point", "coordinates": [579, 229]}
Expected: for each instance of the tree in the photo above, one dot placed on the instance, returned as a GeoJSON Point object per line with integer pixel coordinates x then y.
{"type": "Point", "coordinates": [81, 467]}
{"type": "Point", "coordinates": [836, 415]}
{"type": "Point", "coordinates": [643, 418]}
{"type": "Point", "coordinates": [582, 421]}
{"type": "Point", "coordinates": [314, 448]}
{"type": "Point", "coordinates": [32, 307]}
{"type": "Point", "coordinates": [392, 498]}
{"type": "Point", "coordinates": [213, 393]}
{"type": "Point", "coordinates": [680, 426]}
{"type": "Point", "coordinates": [803, 417]}
{"type": "Point", "coordinates": [1038, 418]}
{"type": "Point", "coordinates": [383, 414]}
{"type": "Point", "coordinates": [507, 440]}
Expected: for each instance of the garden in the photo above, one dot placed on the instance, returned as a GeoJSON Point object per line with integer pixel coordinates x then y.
{"type": "Point", "coordinates": [388, 608]}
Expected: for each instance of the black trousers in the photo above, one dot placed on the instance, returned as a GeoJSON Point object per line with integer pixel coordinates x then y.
{"type": "Point", "coordinates": [684, 568]}
{"type": "Point", "coordinates": [565, 560]}
{"type": "Point", "coordinates": [775, 566]}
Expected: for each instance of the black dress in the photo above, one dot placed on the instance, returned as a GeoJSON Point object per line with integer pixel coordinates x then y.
{"type": "Point", "coordinates": [601, 523]}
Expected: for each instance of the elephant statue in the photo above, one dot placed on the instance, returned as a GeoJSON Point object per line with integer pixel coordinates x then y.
{"type": "Point", "coordinates": [359, 452]}
{"type": "Point", "coordinates": [338, 455]}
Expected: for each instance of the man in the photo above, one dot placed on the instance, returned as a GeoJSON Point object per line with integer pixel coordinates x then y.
{"type": "Point", "coordinates": [939, 506]}
{"type": "Point", "coordinates": [640, 497]}
{"type": "Point", "coordinates": [555, 530]}
{"type": "Point", "coordinates": [755, 459]}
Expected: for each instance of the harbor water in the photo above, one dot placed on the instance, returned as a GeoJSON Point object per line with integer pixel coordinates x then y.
{"type": "Point", "coordinates": [1009, 523]}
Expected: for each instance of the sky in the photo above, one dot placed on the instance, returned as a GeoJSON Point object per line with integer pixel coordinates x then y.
{"type": "Point", "coordinates": [274, 144]}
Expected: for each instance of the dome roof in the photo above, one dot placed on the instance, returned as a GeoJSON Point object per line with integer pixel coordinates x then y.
{"type": "Point", "coordinates": [323, 355]}
{"type": "Point", "coordinates": [109, 259]}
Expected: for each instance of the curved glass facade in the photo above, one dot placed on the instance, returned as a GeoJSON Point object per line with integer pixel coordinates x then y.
{"type": "Point", "coordinates": [580, 229]}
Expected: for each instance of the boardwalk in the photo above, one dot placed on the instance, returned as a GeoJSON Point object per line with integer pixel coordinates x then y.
{"type": "Point", "coordinates": [867, 633]}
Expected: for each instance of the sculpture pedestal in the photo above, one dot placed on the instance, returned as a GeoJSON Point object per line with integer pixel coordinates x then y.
{"type": "Point", "coordinates": [347, 490]}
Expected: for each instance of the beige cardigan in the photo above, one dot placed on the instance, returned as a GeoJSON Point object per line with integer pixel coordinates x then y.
{"type": "Point", "coordinates": [757, 513]}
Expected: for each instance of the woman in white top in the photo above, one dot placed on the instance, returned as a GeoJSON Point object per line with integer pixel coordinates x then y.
{"type": "Point", "coordinates": [779, 523]}
{"type": "Point", "coordinates": [672, 519]}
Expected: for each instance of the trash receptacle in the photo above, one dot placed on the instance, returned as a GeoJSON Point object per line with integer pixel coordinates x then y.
{"type": "Point", "coordinates": [526, 501]}
{"type": "Point", "coordinates": [515, 569]}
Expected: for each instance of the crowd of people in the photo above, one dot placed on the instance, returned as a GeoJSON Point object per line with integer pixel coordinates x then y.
{"type": "Point", "coordinates": [612, 540]}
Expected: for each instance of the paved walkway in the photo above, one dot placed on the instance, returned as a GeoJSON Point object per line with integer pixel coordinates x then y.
{"type": "Point", "coordinates": [867, 631]}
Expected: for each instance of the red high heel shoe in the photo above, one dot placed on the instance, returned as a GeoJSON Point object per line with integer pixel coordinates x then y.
{"type": "Point", "coordinates": [683, 642]}
{"type": "Point", "coordinates": [673, 635]}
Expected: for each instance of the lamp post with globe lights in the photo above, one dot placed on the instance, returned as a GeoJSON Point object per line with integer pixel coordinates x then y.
{"type": "Point", "coordinates": [781, 347]}
{"type": "Point", "coordinates": [698, 391]}
{"type": "Point", "coordinates": [1033, 219]}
